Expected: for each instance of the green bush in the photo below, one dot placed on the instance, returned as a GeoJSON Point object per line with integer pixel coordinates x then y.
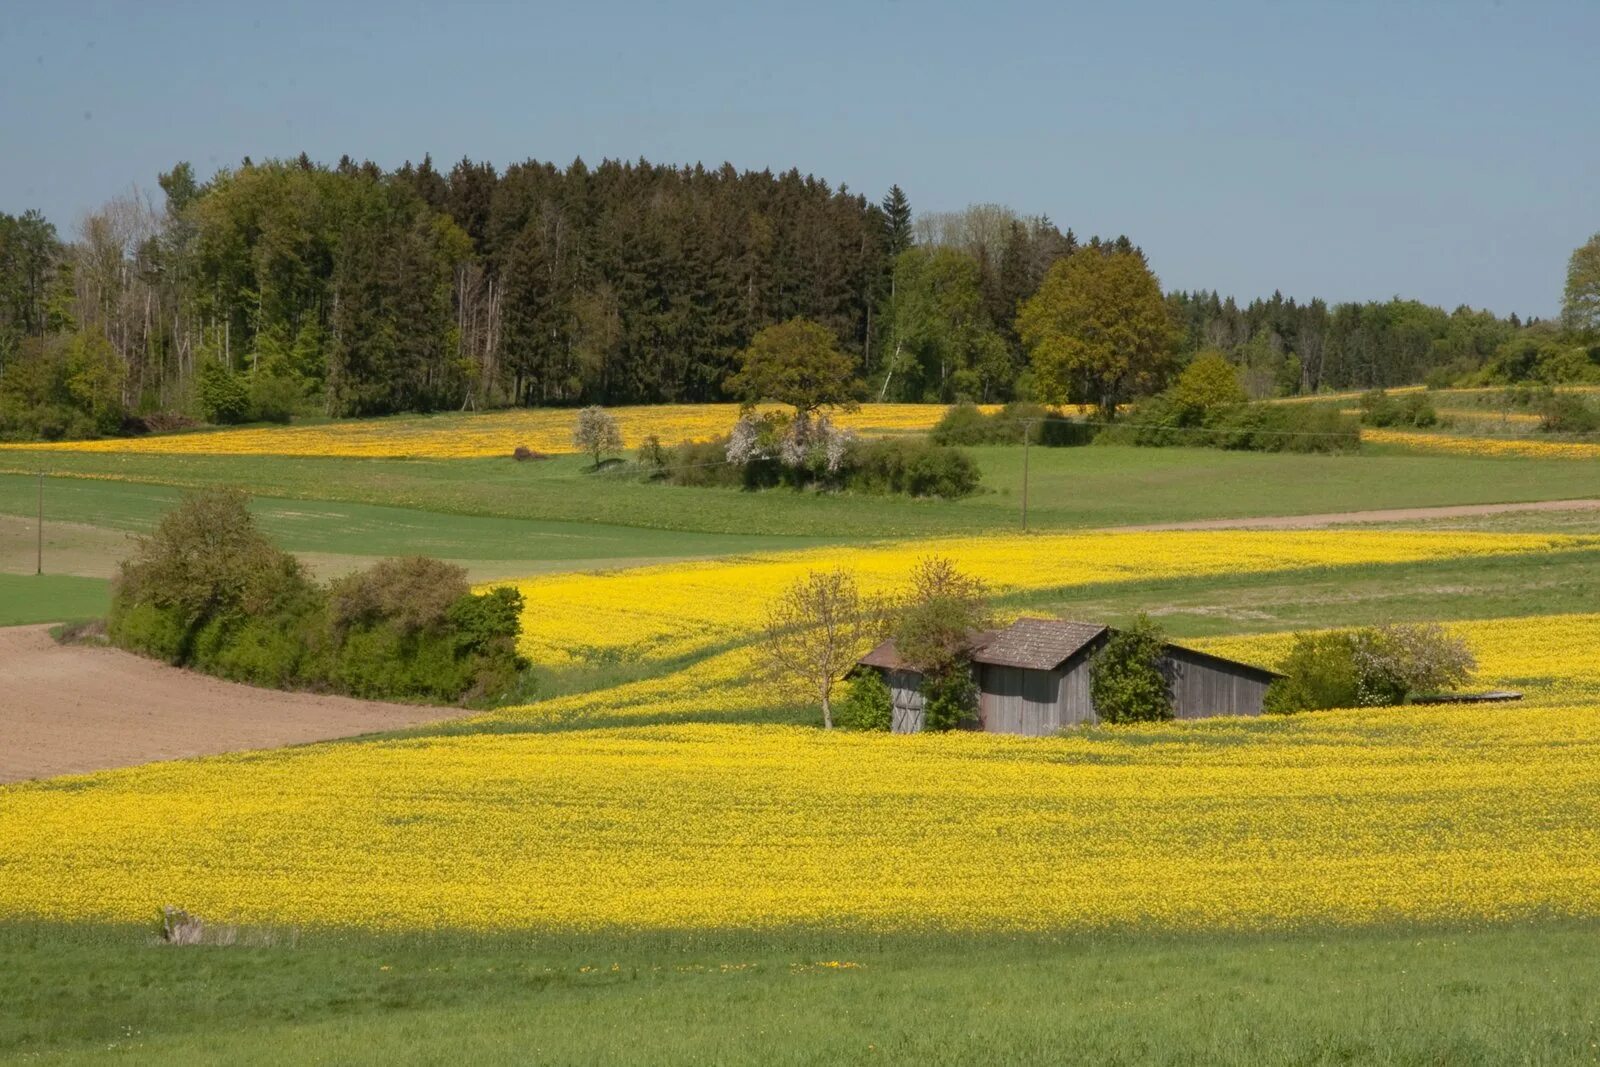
{"type": "Point", "coordinates": [272, 398]}
{"type": "Point", "coordinates": [1319, 672]}
{"type": "Point", "coordinates": [1370, 667]}
{"type": "Point", "coordinates": [223, 396]}
{"type": "Point", "coordinates": [208, 591]}
{"type": "Point", "coordinates": [965, 424]}
{"type": "Point", "coordinates": [1161, 422]}
{"type": "Point", "coordinates": [904, 465]}
{"type": "Point", "coordinates": [1380, 409]}
{"type": "Point", "coordinates": [1126, 681]}
{"type": "Point", "coordinates": [1567, 413]}
{"type": "Point", "coordinates": [949, 699]}
{"type": "Point", "coordinates": [867, 703]}
{"type": "Point", "coordinates": [1286, 428]}
{"type": "Point", "coordinates": [912, 467]}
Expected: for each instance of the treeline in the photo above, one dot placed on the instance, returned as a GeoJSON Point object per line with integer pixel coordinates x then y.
{"type": "Point", "coordinates": [348, 290]}
{"type": "Point", "coordinates": [1285, 348]}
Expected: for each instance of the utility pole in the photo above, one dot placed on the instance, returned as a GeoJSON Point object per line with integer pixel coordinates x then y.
{"type": "Point", "coordinates": [38, 559]}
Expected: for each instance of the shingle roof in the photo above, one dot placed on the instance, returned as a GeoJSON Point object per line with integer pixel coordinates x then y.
{"type": "Point", "coordinates": [1037, 644]}
{"type": "Point", "coordinates": [888, 657]}
{"type": "Point", "coordinates": [885, 656]}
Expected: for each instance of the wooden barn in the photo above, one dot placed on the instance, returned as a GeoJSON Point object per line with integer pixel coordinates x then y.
{"type": "Point", "coordinates": [1033, 678]}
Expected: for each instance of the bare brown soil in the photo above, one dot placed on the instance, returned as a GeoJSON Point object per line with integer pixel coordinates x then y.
{"type": "Point", "coordinates": [1347, 518]}
{"type": "Point", "coordinates": [68, 709]}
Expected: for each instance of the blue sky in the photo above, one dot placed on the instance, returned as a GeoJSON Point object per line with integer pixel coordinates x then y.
{"type": "Point", "coordinates": [1449, 152]}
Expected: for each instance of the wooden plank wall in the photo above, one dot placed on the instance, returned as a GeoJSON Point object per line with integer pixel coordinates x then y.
{"type": "Point", "coordinates": [905, 693]}
{"type": "Point", "coordinates": [1203, 687]}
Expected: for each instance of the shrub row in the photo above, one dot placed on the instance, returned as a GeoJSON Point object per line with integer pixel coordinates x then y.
{"type": "Point", "coordinates": [208, 591]}
{"type": "Point", "coordinates": [1380, 409]}
{"type": "Point", "coordinates": [965, 424]}
{"type": "Point", "coordinates": [908, 466]}
{"type": "Point", "coordinates": [1253, 427]}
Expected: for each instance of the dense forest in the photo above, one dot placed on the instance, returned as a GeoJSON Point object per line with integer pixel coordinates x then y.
{"type": "Point", "coordinates": [292, 286]}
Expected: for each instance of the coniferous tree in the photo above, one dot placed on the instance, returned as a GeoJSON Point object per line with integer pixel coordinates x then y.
{"type": "Point", "coordinates": [896, 222]}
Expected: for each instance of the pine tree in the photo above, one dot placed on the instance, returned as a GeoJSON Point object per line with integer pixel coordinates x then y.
{"type": "Point", "coordinates": [897, 222]}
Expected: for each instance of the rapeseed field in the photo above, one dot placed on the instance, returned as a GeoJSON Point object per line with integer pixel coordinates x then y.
{"type": "Point", "coordinates": [662, 612]}
{"type": "Point", "coordinates": [1341, 818]}
{"type": "Point", "coordinates": [498, 433]}
{"type": "Point", "coordinates": [1421, 814]}
{"type": "Point", "coordinates": [1470, 445]}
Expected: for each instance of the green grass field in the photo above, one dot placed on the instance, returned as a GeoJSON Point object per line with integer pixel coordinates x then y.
{"type": "Point", "coordinates": [1069, 487]}
{"type": "Point", "coordinates": [82, 512]}
{"type": "Point", "coordinates": [1489, 997]}
{"type": "Point", "coordinates": [27, 598]}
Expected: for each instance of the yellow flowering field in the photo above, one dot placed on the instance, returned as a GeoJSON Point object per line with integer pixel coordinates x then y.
{"type": "Point", "coordinates": [495, 433]}
{"type": "Point", "coordinates": [674, 609]}
{"type": "Point", "coordinates": [1355, 817]}
{"type": "Point", "coordinates": [1468, 445]}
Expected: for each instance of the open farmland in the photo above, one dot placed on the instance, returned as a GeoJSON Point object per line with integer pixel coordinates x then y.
{"type": "Point", "coordinates": [664, 829]}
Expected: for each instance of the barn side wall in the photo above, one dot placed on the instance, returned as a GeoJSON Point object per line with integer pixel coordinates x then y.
{"type": "Point", "coordinates": [1018, 701]}
{"type": "Point", "coordinates": [905, 693]}
{"type": "Point", "coordinates": [1203, 687]}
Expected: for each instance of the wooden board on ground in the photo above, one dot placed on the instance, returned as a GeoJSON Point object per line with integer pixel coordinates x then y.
{"type": "Point", "coordinates": [70, 709]}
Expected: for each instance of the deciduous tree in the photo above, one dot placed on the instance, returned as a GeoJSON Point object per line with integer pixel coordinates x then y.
{"type": "Point", "coordinates": [816, 631]}
{"type": "Point", "coordinates": [798, 363]}
{"type": "Point", "coordinates": [1098, 330]}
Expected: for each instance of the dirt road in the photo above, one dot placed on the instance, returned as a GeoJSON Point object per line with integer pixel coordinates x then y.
{"type": "Point", "coordinates": [70, 709]}
{"type": "Point", "coordinates": [1342, 518]}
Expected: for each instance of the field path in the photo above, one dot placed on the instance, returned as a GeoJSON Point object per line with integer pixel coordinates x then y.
{"type": "Point", "coordinates": [1341, 518]}
{"type": "Point", "coordinates": [69, 709]}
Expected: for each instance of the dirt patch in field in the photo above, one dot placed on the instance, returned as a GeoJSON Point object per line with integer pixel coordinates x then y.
{"type": "Point", "coordinates": [68, 709]}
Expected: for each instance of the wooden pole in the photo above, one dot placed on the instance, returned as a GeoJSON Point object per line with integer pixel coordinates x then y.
{"type": "Point", "coordinates": [38, 558]}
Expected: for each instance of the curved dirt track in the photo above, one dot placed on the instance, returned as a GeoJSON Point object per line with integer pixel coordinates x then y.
{"type": "Point", "coordinates": [68, 709]}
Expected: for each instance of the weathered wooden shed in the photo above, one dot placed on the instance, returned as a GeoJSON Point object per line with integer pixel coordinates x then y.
{"type": "Point", "coordinates": [1033, 678]}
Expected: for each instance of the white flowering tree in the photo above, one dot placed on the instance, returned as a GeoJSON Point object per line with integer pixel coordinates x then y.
{"type": "Point", "coordinates": [596, 433]}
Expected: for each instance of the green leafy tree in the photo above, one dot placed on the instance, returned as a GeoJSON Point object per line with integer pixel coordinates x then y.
{"type": "Point", "coordinates": [1580, 306]}
{"type": "Point", "coordinates": [798, 363]}
{"type": "Point", "coordinates": [934, 635]}
{"type": "Point", "coordinates": [96, 378]}
{"type": "Point", "coordinates": [1126, 681]}
{"type": "Point", "coordinates": [937, 619]}
{"type": "Point", "coordinates": [1208, 383]}
{"type": "Point", "coordinates": [1098, 329]}
{"type": "Point", "coordinates": [1319, 672]}
{"type": "Point", "coordinates": [941, 343]}
{"type": "Point", "coordinates": [223, 396]}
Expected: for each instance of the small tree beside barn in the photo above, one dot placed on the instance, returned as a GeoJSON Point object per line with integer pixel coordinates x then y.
{"type": "Point", "coordinates": [934, 636]}
{"type": "Point", "coordinates": [816, 631]}
{"type": "Point", "coordinates": [1127, 679]}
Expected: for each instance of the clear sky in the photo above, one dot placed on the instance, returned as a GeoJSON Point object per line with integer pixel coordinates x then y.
{"type": "Point", "coordinates": [1448, 151]}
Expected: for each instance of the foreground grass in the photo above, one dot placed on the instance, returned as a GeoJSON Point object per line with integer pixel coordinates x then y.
{"type": "Point", "coordinates": [27, 598]}
{"type": "Point", "coordinates": [1070, 487]}
{"type": "Point", "coordinates": [1491, 996]}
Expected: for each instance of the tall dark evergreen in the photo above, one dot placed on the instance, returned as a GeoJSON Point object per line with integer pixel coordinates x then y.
{"type": "Point", "coordinates": [896, 221]}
